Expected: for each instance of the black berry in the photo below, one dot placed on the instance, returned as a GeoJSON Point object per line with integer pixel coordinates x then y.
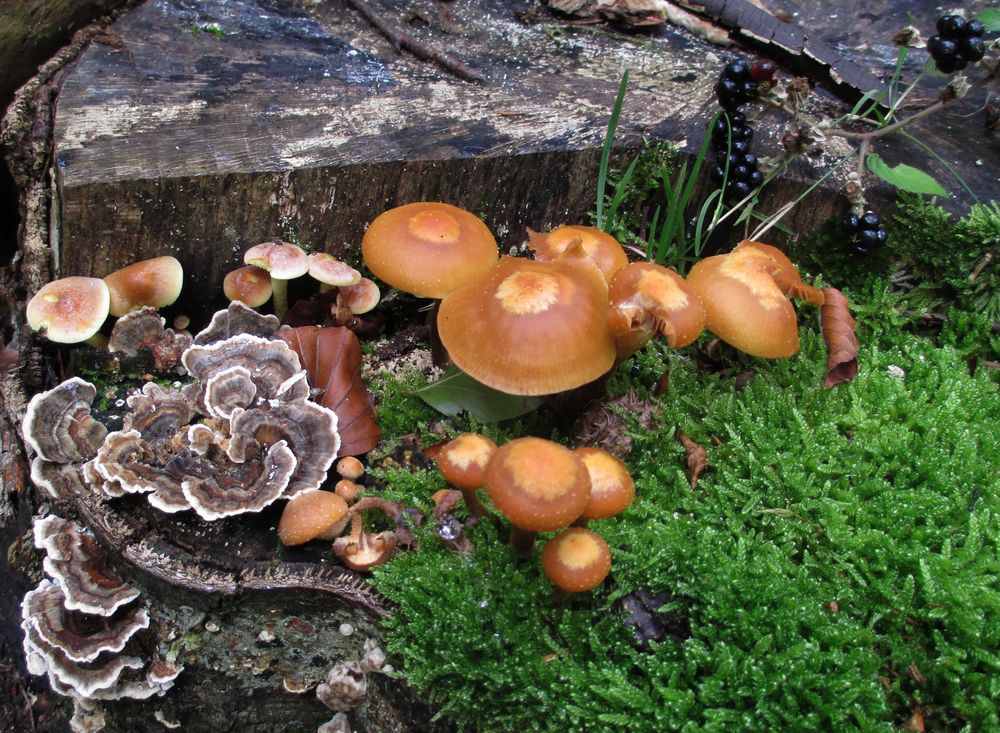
{"type": "Point", "coordinates": [971, 48]}
{"type": "Point", "coordinates": [974, 28]}
{"type": "Point", "coordinates": [951, 26]}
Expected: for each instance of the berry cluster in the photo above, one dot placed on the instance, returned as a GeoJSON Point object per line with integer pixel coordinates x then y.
{"type": "Point", "coordinates": [959, 42]}
{"type": "Point", "coordinates": [731, 135]}
{"type": "Point", "coordinates": [865, 231]}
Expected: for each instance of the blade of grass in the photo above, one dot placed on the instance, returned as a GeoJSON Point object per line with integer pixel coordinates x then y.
{"type": "Point", "coordinates": [621, 187]}
{"type": "Point", "coordinates": [609, 138]}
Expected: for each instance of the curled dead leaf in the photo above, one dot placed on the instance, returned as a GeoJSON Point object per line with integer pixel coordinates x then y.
{"type": "Point", "coordinates": [697, 458]}
{"type": "Point", "coordinates": [837, 325]}
{"type": "Point", "coordinates": [331, 357]}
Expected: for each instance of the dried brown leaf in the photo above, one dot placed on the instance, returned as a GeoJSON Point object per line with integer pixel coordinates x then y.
{"type": "Point", "coordinates": [697, 457]}
{"type": "Point", "coordinates": [837, 325]}
{"type": "Point", "coordinates": [331, 357]}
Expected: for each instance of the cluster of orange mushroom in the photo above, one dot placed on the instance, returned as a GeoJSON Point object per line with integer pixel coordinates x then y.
{"type": "Point", "coordinates": [541, 486]}
{"type": "Point", "coordinates": [579, 307]}
{"type": "Point", "coordinates": [319, 514]}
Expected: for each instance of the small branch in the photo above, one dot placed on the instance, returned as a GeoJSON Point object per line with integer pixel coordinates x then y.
{"type": "Point", "coordinates": [983, 264]}
{"type": "Point", "coordinates": [419, 49]}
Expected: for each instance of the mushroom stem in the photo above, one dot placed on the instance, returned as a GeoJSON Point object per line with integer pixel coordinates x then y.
{"type": "Point", "coordinates": [522, 541]}
{"type": "Point", "coordinates": [97, 341]}
{"type": "Point", "coordinates": [279, 296]}
{"type": "Point", "coordinates": [476, 509]}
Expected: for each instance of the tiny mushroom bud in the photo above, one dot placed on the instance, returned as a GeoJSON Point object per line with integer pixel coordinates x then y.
{"type": "Point", "coordinates": [611, 486]}
{"type": "Point", "coordinates": [347, 489]}
{"type": "Point", "coordinates": [70, 310]}
{"type": "Point", "coordinates": [576, 560]}
{"type": "Point", "coordinates": [462, 462]}
{"type": "Point", "coordinates": [350, 467]}
{"type": "Point", "coordinates": [156, 283]}
{"type": "Point", "coordinates": [428, 249]}
{"type": "Point", "coordinates": [248, 284]}
{"type": "Point", "coordinates": [314, 514]}
{"type": "Point", "coordinates": [285, 262]}
{"type": "Point", "coordinates": [537, 484]}
{"type": "Point", "coordinates": [601, 248]}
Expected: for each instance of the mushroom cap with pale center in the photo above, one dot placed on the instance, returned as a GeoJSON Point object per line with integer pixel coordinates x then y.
{"type": "Point", "coordinates": [647, 298]}
{"type": "Point", "coordinates": [744, 306]}
{"type": "Point", "coordinates": [428, 248]}
{"type": "Point", "coordinates": [311, 514]}
{"type": "Point", "coordinates": [576, 560]}
{"type": "Point", "coordinates": [463, 460]}
{"type": "Point", "coordinates": [283, 260]}
{"type": "Point", "coordinates": [537, 484]}
{"type": "Point", "coordinates": [530, 328]}
{"type": "Point", "coordinates": [598, 246]}
{"type": "Point", "coordinates": [611, 485]}
{"type": "Point", "coordinates": [71, 309]}
{"type": "Point", "coordinates": [155, 282]}
{"type": "Point", "coordinates": [327, 269]}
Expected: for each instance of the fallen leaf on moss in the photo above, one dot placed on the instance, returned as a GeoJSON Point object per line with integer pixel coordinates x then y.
{"type": "Point", "coordinates": [697, 458]}
{"type": "Point", "coordinates": [837, 326]}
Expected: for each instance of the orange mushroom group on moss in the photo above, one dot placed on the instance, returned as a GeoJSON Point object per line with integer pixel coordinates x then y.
{"type": "Point", "coordinates": [746, 294]}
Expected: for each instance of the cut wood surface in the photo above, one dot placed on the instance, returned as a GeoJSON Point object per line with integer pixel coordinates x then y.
{"type": "Point", "coordinates": [215, 125]}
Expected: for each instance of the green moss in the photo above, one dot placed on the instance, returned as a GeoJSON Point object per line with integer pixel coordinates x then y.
{"type": "Point", "coordinates": [837, 566]}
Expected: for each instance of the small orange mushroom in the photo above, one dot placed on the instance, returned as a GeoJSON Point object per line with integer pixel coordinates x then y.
{"type": "Point", "coordinates": [598, 246]}
{"type": "Point", "coordinates": [155, 282]}
{"type": "Point", "coordinates": [284, 261]}
{"type": "Point", "coordinates": [70, 310]}
{"type": "Point", "coordinates": [538, 485]}
{"type": "Point", "coordinates": [360, 550]}
{"type": "Point", "coordinates": [576, 560]}
{"type": "Point", "coordinates": [744, 297]}
{"type": "Point", "coordinates": [463, 462]}
{"type": "Point", "coordinates": [428, 248]}
{"type": "Point", "coordinates": [648, 299]}
{"type": "Point", "coordinates": [611, 485]}
{"type": "Point", "coordinates": [530, 328]}
{"type": "Point", "coordinates": [314, 514]}
{"type": "Point", "coordinates": [248, 284]}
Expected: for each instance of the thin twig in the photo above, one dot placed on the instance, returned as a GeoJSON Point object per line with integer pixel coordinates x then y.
{"type": "Point", "coordinates": [982, 266]}
{"type": "Point", "coordinates": [419, 49]}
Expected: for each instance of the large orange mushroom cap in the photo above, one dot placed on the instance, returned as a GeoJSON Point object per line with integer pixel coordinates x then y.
{"type": "Point", "coordinates": [744, 306]}
{"type": "Point", "coordinates": [537, 484]}
{"type": "Point", "coordinates": [646, 299]}
{"type": "Point", "coordinates": [598, 246]}
{"type": "Point", "coordinates": [428, 248]}
{"type": "Point", "coordinates": [530, 328]}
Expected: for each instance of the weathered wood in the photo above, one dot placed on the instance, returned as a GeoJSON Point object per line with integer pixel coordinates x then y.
{"type": "Point", "coordinates": [217, 125]}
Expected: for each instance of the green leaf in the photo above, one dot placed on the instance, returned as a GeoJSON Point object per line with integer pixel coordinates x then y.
{"type": "Point", "coordinates": [457, 391]}
{"type": "Point", "coordinates": [990, 18]}
{"type": "Point", "coordinates": [905, 177]}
